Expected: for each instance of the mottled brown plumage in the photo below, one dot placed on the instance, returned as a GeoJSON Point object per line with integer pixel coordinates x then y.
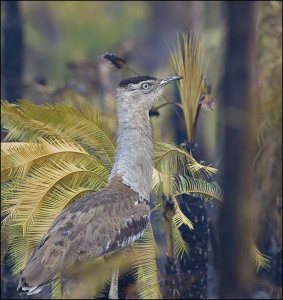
{"type": "Point", "coordinates": [98, 223]}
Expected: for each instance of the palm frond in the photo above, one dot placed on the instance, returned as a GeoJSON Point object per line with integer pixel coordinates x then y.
{"type": "Point", "coordinates": [166, 187]}
{"type": "Point", "coordinates": [31, 205]}
{"type": "Point", "coordinates": [260, 260]}
{"type": "Point", "coordinates": [91, 279]}
{"type": "Point", "coordinates": [7, 147]}
{"type": "Point", "coordinates": [7, 189]}
{"type": "Point", "coordinates": [16, 160]}
{"type": "Point", "coordinates": [180, 245]}
{"type": "Point", "coordinates": [145, 252]}
{"type": "Point", "coordinates": [95, 276]}
{"type": "Point", "coordinates": [4, 241]}
{"type": "Point", "coordinates": [155, 179]}
{"type": "Point", "coordinates": [179, 218]}
{"type": "Point", "coordinates": [197, 187]}
{"type": "Point", "coordinates": [166, 178]}
{"type": "Point", "coordinates": [27, 122]}
{"type": "Point", "coordinates": [37, 195]}
{"type": "Point", "coordinates": [19, 250]}
{"type": "Point", "coordinates": [21, 128]}
{"type": "Point", "coordinates": [56, 288]}
{"type": "Point", "coordinates": [84, 124]}
{"type": "Point", "coordinates": [176, 157]}
{"type": "Point", "coordinates": [188, 61]}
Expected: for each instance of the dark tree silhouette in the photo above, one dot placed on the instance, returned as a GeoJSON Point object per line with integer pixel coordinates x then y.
{"type": "Point", "coordinates": [13, 49]}
{"type": "Point", "coordinates": [237, 117]}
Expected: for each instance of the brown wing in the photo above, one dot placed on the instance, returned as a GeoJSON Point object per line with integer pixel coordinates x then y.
{"type": "Point", "coordinates": [92, 226]}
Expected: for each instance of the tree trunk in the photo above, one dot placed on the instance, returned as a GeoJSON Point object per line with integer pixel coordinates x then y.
{"type": "Point", "coordinates": [12, 53]}
{"type": "Point", "coordinates": [237, 117]}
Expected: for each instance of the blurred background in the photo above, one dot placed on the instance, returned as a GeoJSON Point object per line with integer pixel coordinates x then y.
{"type": "Point", "coordinates": [52, 51]}
{"type": "Point", "coordinates": [59, 45]}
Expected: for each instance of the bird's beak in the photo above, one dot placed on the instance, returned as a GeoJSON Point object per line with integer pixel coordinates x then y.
{"type": "Point", "coordinates": [169, 80]}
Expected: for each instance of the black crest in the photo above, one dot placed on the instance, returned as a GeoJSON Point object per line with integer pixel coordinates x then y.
{"type": "Point", "coordinates": [135, 80]}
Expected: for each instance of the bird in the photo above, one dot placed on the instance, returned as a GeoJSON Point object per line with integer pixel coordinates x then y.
{"type": "Point", "coordinates": [113, 218]}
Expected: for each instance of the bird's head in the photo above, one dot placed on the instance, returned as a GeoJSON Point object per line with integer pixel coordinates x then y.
{"type": "Point", "coordinates": [142, 90]}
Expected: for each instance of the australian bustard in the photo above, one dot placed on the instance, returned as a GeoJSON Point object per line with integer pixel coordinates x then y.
{"type": "Point", "coordinates": [116, 216]}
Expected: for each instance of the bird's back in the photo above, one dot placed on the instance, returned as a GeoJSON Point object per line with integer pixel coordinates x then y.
{"type": "Point", "coordinates": [94, 225]}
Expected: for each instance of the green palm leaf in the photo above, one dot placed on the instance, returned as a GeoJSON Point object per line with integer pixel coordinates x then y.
{"type": "Point", "coordinates": [21, 128]}
{"type": "Point", "coordinates": [165, 186]}
{"type": "Point", "coordinates": [31, 211]}
{"type": "Point", "coordinates": [145, 253]}
{"type": "Point", "coordinates": [260, 260]}
{"type": "Point", "coordinates": [20, 249]}
{"type": "Point", "coordinates": [56, 290]}
{"type": "Point", "coordinates": [4, 241]}
{"type": "Point", "coordinates": [29, 121]}
{"type": "Point", "coordinates": [179, 244]}
{"type": "Point", "coordinates": [179, 218]}
{"type": "Point", "coordinates": [16, 160]}
{"type": "Point", "coordinates": [39, 182]}
{"type": "Point", "coordinates": [188, 61]}
{"type": "Point", "coordinates": [179, 158]}
{"type": "Point", "coordinates": [197, 187]}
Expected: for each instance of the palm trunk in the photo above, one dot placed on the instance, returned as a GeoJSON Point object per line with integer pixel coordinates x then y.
{"type": "Point", "coordinates": [194, 265]}
{"type": "Point", "coordinates": [172, 282]}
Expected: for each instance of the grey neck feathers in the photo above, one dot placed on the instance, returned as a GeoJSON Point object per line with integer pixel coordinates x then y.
{"type": "Point", "coordinates": [133, 158]}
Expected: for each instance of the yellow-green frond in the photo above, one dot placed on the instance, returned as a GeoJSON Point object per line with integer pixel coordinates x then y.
{"type": "Point", "coordinates": [31, 205]}
{"type": "Point", "coordinates": [188, 62]}
{"type": "Point", "coordinates": [7, 147]}
{"type": "Point", "coordinates": [56, 288]}
{"type": "Point", "coordinates": [27, 122]}
{"type": "Point", "coordinates": [197, 187]}
{"type": "Point", "coordinates": [145, 254]}
{"type": "Point", "coordinates": [179, 218]}
{"type": "Point", "coordinates": [179, 245]}
{"type": "Point", "coordinates": [95, 277]}
{"type": "Point", "coordinates": [16, 160]}
{"type": "Point", "coordinates": [178, 158]}
{"type": "Point", "coordinates": [166, 178]}
{"type": "Point", "coordinates": [84, 124]}
{"type": "Point", "coordinates": [260, 260]}
{"type": "Point", "coordinates": [155, 180]}
{"type": "Point", "coordinates": [19, 250]}
{"type": "Point", "coordinates": [22, 128]}
{"type": "Point", "coordinates": [4, 241]}
{"type": "Point", "coordinates": [47, 188]}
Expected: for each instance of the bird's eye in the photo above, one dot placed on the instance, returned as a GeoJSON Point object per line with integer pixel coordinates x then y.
{"type": "Point", "coordinates": [146, 86]}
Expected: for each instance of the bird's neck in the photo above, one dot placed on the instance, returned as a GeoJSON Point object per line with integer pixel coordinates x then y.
{"type": "Point", "coordinates": [133, 158]}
